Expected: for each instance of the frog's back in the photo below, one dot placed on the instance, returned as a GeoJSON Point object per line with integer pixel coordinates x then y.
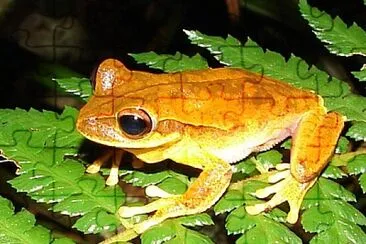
{"type": "Point", "coordinates": [225, 98]}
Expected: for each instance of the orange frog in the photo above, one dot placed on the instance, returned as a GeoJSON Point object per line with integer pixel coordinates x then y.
{"type": "Point", "coordinates": [208, 119]}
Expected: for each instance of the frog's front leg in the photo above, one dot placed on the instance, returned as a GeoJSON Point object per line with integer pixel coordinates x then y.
{"type": "Point", "coordinates": [313, 144]}
{"type": "Point", "coordinates": [201, 195]}
{"type": "Point", "coordinates": [116, 155]}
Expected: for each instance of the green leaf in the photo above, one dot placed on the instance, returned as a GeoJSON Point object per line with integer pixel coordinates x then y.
{"type": "Point", "coordinates": [338, 209]}
{"type": "Point", "coordinates": [95, 195]}
{"type": "Point", "coordinates": [239, 194]}
{"type": "Point", "coordinates": [337, 95]}
{"type": "Point", "coordinates": [339, 39]}
{"type": "Point", "coordinates": [333, 172]}
{"type": "Point", "coordinates": [277, 215]}
{"type": "Point", "coordinates": [168, 180]}
{"type": "Point", "coordinates": [196, 220]}
{"type": "Point", "coordinates": [326, 206]}
{"type": "Point", "coordinates": [343, 159]}
{"type": "Point", "coordinates": [351, 105]}
{"type": "Point", "coordinates": [97, 221]}
{"type": "Point", "coordinates": [357, 131]}
{"type": "Point", "coordinates": [46, 73]}
{"type": "Point", "coordinates": [286, 144]}
{"type": "Point", "coordinates": [357, 165]}
{"type": "Point", "coordinates": [68, 80]}
{"type": "Point", "coordinates": [39, 141]}
{"type": "Point", "coordinates": [341, 231]}
{"type": "Point", "coordinates": [80, 87]}
{"type": "Point", "coordinates": [173, 186]}
{"type": "Point", "coordinates": [62, 241]}
{"type": "Point", "coordinates": [159, 234]}
{"type": "Point", "coordinates": [258, 229]}
{"type": "Point", "coordinates": [263, 162]}
{"type": "Point", "coordinates": [171, 63]}
{"type": "Point", "coordinates": [326, 190]}
{"type": "Point", "coordinates": [231, 200]}
{"type": "Point", "coordinates": [142, 179]}
{"type": "Point", "coordinates": [20, 227]}
{"type": "Point", "coordinates": [246, 166]}
{"type": "Point", "coordinates": [342, 145]}
{"type": "Point", "coordinates": [332, 217]}
{"type": "Point", "coordinates": [360, 75]}
{"type": "Point", "coordinates": [362, 181]}
{"type": "Point", "coordinates": [269, 159]}
{"type": "Point", "coordinates": [223, 50]}
{"type": "Point", "coordinates": [315, 220]}
{"type": "Point", "coordinates": [173, 231]}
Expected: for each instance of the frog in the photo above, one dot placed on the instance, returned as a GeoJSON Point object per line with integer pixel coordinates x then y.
{"type": "Point", "coordinates": [209, 120]}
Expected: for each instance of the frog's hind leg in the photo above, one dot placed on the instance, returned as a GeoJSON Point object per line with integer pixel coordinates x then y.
{"type": "Point", "coordinates": [202, 194]}
{"type": "Point", "coordinates": [312, 146]}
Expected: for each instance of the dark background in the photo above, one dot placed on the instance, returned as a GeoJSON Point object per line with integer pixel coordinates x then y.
{"type": "Point", "coordinates": [78, 34]}
{"type": "Point", "coordinates": [115, 28]}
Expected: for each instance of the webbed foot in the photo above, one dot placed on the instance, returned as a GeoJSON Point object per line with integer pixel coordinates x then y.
{"type": "Point", "coordinates": [287, 189]}
{"type": "Point", "coordinates": [201, 195]}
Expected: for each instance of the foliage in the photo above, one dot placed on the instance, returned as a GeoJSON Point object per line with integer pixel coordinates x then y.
{"type": "Point", "coordinates": [339, 38]}
{"type": "Point", "coordinates": [171, 63]}
{"type": "Point", "coordinates": [175, 231]}
{"type": "Point", "coordinates": [21, 227]}
{"type": "Point", "coordinates": [38, 142]}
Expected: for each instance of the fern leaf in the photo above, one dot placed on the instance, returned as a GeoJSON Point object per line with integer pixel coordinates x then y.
{"type": "Point", "coordinates": [339, 39]}
{"type": "Point", "coordinates": [327, 213]}
{"type": "Point", "coordinates": [357, 131]}
{"type": "Point", "coordinates": [171, 63]}
{"type": "Point", "coordinates": [360, 75]}
{"type": "Point", "coordinates": [167, 180]}
{"type": "Point", "coordinates": [79, 87]}
{"type": "Point", "coordinates": [252, 228]}
{"type": "Point", "coordinates": [174, 231]}
{"type": "Point", "coordinates": [39, 141]}
{"type": "Point", "coordinates": [20, 227]}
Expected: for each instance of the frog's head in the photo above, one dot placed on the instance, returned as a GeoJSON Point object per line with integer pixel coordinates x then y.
{"type": "Point", "coordinates": [118, 114]}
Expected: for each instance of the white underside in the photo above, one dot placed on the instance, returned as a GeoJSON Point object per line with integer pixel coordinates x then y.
{"type": "Point", "coordinates": [237, 152]}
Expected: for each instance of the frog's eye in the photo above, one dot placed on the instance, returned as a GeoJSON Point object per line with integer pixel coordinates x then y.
{"type": "Point", "coordinates": [134, 123]}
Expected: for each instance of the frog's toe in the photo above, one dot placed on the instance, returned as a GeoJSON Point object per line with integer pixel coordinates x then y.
{"type": "Point", "coordinates": [278, 176]}
{"type": "Point", "coordinates": [256, 209]}
{"type": "Point", "coordinates": [265, 192]}
{"type": "Point", "coordinates": [283, 166]}
{"type": "Point", "coordinates": [93, 168]}
{"type": "Point", "coordinates": [154, 191]}
{"type": "Point", "coordinates": [289, 190]}
{"type": "Point", "coordinates": [126, 212]}
{"type": "Point", "coordinates": [113, 177]}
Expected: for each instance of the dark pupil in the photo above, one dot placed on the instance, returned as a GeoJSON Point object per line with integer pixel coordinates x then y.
{"type": "Point", "coordinates": [132, 124]}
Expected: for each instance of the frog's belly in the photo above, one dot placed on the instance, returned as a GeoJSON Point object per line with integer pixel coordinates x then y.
{"type": "Point", "coordinates": [239, 147]}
